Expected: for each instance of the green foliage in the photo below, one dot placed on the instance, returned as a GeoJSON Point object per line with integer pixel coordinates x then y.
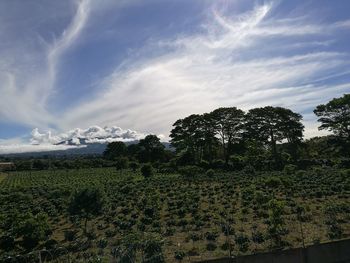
{"type": "Point", "coordinates": [179, 255]}
{"type": "Point", "coordinates": [86, 203]}
{"type": "Point", "coordinates": [7, 242]}
{"type": "Point", "coordinates": [228, 125]}
{"type": "Point", "coordinates": [147, 170]}
{"type": "Point", "coordinates": [122, 163]}
{"type": "Point", "coordinates": [134, 166]}
{"type": "Point", "coordinates": [290, 169]}
{"type": "Point", "coordinates": [32, 229]}
{"type": "Point", "coordinates": [211, 246]}
{"type": "Point", "coordinates": [273, 182]}
{"type": "Point", "coordinates": [210, 173]}
{"type": "Point", "coordinates": [242, 241]}
{"type": "Point", "coordinates": [115, 150]}
{"type": "Point", "coordinates": [276, 222]}
{"type": "Point", "coordinates": [335, 116]}
{"type": "Point", "coordinates": [190, 171]}
{"type": "Point", "coordinates": [153, 252]}
{"type": "Point", "coordinates": [181, 210]}
{"type": "Point", "coordinates": [270, 125]}
{"type": "Point", "coordinates": [151, 149]}
{"type": "Point", "coordinates": [249, 170]}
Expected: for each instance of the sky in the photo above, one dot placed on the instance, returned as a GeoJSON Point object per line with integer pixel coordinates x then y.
{"type": "Point", "coordinates": [120, 69]}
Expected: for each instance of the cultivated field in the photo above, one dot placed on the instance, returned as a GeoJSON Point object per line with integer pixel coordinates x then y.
{"type": "Point", "coordinates": [194, 217]}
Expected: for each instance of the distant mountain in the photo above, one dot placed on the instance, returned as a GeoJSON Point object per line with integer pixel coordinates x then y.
{"type": "Point", "coordinates": [83, 148]}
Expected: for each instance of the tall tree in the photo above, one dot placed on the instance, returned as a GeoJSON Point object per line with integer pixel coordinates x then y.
{"type": "Point", "coordinates": [86, 203]}
{"type": "Point", "coordinates": [209, 140]}
{"type": "Point", "coordinates": [274, 124]}
{"type": "Point", "coordinates": [335, 116]}
{"type": "Point", "coordinates": [228, 125]}
{"type": "Point", "coordinates": [151, 149]}
{"type": "Point", "coordinates": [115, 150]}
{"type": "Point", "coordinates": [188, 135]}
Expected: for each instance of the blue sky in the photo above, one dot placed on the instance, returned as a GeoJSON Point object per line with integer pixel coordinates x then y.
{"type": "Point", "coordinates": [140, 65]}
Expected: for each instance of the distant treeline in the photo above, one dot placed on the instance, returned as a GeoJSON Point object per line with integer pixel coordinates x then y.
{"type": "Point", "coordinates": [266, 138]}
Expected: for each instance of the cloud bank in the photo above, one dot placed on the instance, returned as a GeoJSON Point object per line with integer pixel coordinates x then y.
{"type": "Point", "coordinates": [76, 138]}
{"type": "Point", "coordinates": [94, 134]}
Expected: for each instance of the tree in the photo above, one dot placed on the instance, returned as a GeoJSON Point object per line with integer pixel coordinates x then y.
{"type": "Point", "coordinates": [134, 166]}
{"type": "Point", "coordinates": [228, 125]}
{"type": "Point", "coordinates": [189, 136]}
{"type": "Point", "coordinates": [335, 116]}
{"type": "Point", "coordinates": [151, 149]}
{"type": "Point", "coordinates": [86, 203]}
{"type": "Point", "coordinates": [122, 163]}
{"type": "Point", "coordinates": [32, 229]}
{"type": "Point", "coordinates": [270, 125]}
{"type": "Point", "coordinates": [147, 170]}
{"type": "Point", "coordinates": [133, 150]}
{"type": "Point", "coordinates": [115, 150]}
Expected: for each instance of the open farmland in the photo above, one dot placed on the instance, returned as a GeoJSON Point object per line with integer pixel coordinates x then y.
{"type": "Point", "coordinates": [192, 217]}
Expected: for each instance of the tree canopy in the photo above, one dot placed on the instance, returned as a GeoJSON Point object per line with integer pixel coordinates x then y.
{"type": "Point", "coordinates": [115, 150]}
{"type": "Point", "coordinates": [335, 116]}
{"type": "Point", "coordinates": [271, 125]}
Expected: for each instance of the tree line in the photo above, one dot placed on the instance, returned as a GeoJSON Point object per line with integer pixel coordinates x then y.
{"type": "Point", "coordinates": [265, 138]}
{"type": "Point", "coordinates": [273, 133]}
{"type": "Point", "coordinates": [270, 136]}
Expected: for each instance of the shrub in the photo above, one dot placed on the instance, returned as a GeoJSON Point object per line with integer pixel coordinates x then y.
{"type": "Point", "coordinates": [179, 255]}
{"type": "Point", "coordinates": [211, 246]}
{"type": "Point", "coordinates": [290, 169]}
{"type": "Point", "coordinates": [258, 237]}
{"type": "Point", "coordinates": [122, 163]}
{"type": "Point", "coordinates": [7, 243]}
{"type": "Point", "coordinates": [236, 162]}
{"type": "Point", "coordinates": [242, 241]}
{"type": "Point", "coordinates": [134, 166]}
{"type": "Point", "coordinates": [190, 171]}
{"type": "Point", "coordinates": [273, 182]}
{"type": "Point", "coordinates": [87, 202]}
{"type": "Point", "coordinates": [211, 236]}
{"type": "Point", "coordinates": [102, 243]}
{"type": "Point", "coordinates": [33, 229]}
{"type": "Point", "coordinates": [249, 170]}
{"type": "Point", "coordinates": [147, 170]}
{"type": "Point", "coordinates": [210, 173]}
{"type": "Point", "coordinates": [69, 235]}
{"type": "Point", "coordinates": [218, 164]}
{"type": "Point", "coordinates": [204, 164]}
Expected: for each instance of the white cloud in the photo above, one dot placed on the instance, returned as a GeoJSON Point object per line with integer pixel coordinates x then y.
{"type": "Point", "coordinates": [93, 134]}
{"type": "Point", "coordinates": [51, 141]}
{"type": "Point", "coordinates": [68, 37]}
{"type": "Point", "coordinates": [235, 62]}
{"type": "Point", "coordinates": [28, 71]}
{"type": "Point", "coordinates": [248, 60]}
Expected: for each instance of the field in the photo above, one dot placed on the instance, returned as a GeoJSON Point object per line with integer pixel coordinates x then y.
{"type": "Point", "coordinates": [196, 217]}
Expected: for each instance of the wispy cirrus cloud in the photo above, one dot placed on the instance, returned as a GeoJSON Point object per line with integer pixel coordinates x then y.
{"type": "Point", "coordinates": [229, 58]}
{"type": "Point", "coordinates": [28, 72]}
{"type": "Point", "coordinates": [234, 61]}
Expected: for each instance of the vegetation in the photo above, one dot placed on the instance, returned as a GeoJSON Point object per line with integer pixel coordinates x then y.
{"type": "Point", "coordinates": [236, 183]}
